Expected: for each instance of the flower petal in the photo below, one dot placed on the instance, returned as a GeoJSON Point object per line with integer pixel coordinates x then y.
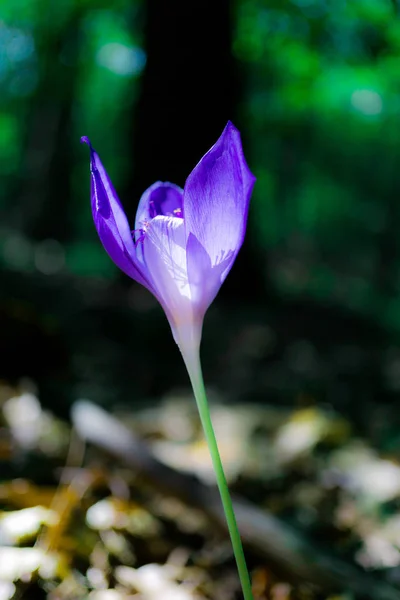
{"type": "Point", "coordinates": [164, 254]}
{"type": "Point", "coordinates": [216, 199]}
{"type": "Point", "coordinates": [161, 198]}
{"type": "Point", "coordinates": [111, 222]}
{"type": "Point", "coordinates": [204, 279]}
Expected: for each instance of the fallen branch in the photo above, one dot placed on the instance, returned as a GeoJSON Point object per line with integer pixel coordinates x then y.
{"type": "Point", "coordinates": [280, 545]}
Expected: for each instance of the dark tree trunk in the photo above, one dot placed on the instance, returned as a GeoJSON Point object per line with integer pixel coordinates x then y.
{"type": "Point", "coordinates": [190, 89]}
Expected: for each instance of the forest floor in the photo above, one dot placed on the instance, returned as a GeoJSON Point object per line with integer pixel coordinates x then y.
{"type": "Point", "coordinates": [122, 507]}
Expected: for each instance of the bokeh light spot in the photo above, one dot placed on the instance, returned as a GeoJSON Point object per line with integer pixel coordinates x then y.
{"type": "Point", "coordinates": [122, 60]}
{"type": "Point", "coordinates": [367, 102]}
{"type": "Point", "coordinates": [49, 257]}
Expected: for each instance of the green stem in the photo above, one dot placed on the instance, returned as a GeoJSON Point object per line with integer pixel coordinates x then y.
{"type": "Point", "coordinates": [191, 357]}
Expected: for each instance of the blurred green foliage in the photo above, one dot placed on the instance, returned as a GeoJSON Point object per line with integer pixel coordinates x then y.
{"type": "Point", "coordinates": [321, 109]}
{"type": "Point", "coordinates": [318, 103]}
{"type": "Point", "coordinates": [320, 113]}
{"type": "Point", "coordinates": [83, 58]}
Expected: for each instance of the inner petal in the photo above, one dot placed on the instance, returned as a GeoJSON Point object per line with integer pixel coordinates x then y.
{"type": "Point", "coordinates": [161, 199]}
{"type": "Point", "coordinates": [164, 252]}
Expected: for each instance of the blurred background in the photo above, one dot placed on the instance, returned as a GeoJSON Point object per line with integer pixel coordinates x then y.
{"type": "Point", "coordinates": [308, 321]}
{"type": "Point", "coordinates": [310, 312]}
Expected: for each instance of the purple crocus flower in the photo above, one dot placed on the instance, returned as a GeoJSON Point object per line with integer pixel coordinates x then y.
{"type": "Point", "coordinates": [184, 242]}
{"type": "Point", "coordinates": [182, 247]}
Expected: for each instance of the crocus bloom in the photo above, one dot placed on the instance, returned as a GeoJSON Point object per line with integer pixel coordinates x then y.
{"type": "Point", "coordinates": [182, 247]}
{"type": "Point", "coordinates": [184, 242]}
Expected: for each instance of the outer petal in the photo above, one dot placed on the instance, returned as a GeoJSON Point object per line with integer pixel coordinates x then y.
{"type": "Point", "coordinates": [164, 254]}
{"type": "Point", "coordinates": [161, 198]}
{"type": "Point", "coordinates": [111, 222]}
{"type": "Point", "coordinates": [216, 199]}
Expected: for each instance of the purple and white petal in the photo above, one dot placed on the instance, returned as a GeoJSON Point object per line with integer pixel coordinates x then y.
{"type": "Point", "coordinates": [204, 279]}
{"type": "Point", "coordinates": [111, 222]}
{"type": "Point", "coordinates": [164, 252]}
{"type": "Point", "coordinates": [216, 199]}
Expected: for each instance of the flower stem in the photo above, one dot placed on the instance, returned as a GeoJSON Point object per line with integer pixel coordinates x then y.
{"type": "Point", "coordinates": [192, 361]}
